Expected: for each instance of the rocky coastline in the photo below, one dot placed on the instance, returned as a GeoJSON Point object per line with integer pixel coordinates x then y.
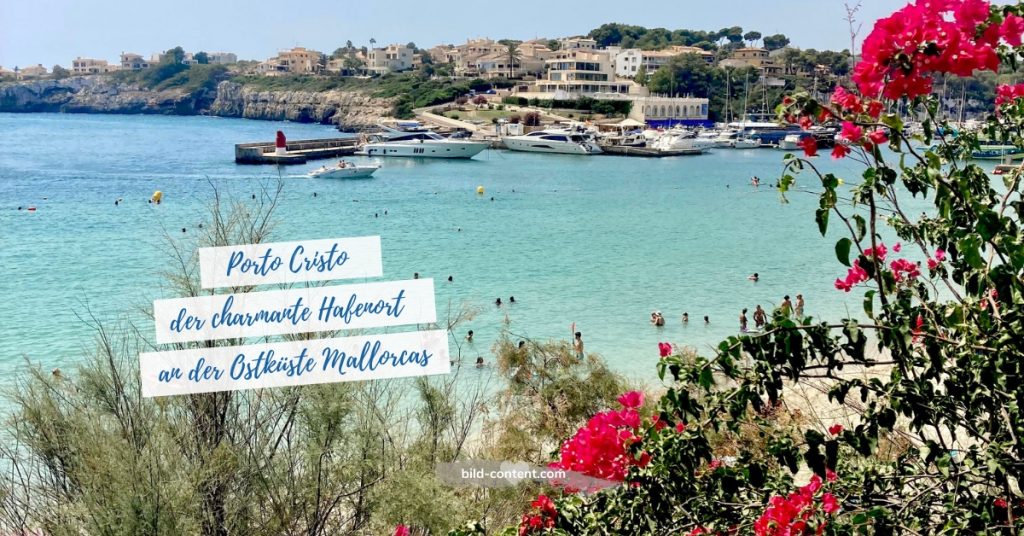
{"type": "Point", "coordinates": [349, 110]}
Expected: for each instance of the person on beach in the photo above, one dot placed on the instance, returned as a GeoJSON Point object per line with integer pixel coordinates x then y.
{"type": "Point", "coordinates": [755, 277]}
{"type": "Point", "coordinates": [686, 318]}
{"type": "Point", "coordinates": [469, 336]}
{"type": "Point", "coordinates": [577, 345]}
{"type": "Point", "coordinates": [760, 318]}
{"type": "Point", "coordinates": [743, 320]}
{"type": "Point", "coordinates": [787, 306]}
{"type": "Point", "coordinates": [799, 306]}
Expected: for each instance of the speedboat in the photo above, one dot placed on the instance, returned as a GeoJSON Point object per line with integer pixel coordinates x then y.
{"type": "Point", "coordinates": [791, 142]}
{"type": "Point", "coordinates": [556, 141]}
{"type": "Point", "coordinates": [344, 170]}
{"type": "Point", "coordinates": [420, 142]}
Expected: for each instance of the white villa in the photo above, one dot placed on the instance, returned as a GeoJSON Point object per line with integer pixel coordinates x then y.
{"type": "Point", "coordinates": [390, 59]}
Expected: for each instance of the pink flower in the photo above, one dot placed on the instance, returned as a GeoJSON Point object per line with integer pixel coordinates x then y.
{"type": "Point", "coordinates": [664, 349]}
{"type": "Point", "coordinates": [840, 151]}
{"type": "Point", "coordinates": [680, 426]}
{"type": "Point", "coordinates": [835, 429]}
{"type": "Point", "coordinates": [697, 531]}
{"type": "Point", "coordinates": [632, 399]}
{"type": "Point", "coordinates": [851, 132]}
{"type": "Point", "coordinates": [829, 503]}
{"type": "Point", "coordinates": [932, 263]}
{"type": "Point", "coordinates": [809, 145]}
{"type": "Point", "coordinates": [878, 136]}
{"type": "Point", "coordinates": [940, 254]}
{"type": "Point", "coordinates": [999, 503]}
{"type": "Point", "coordinates": [846, 100]}
{"type": "Point", "coordinates": [904, 269]}
{"type": "Point", "coordinates": [875, 108]}
{"type": "Point", "coordinates": [1011, 30]}
{"type": "Point", "coordinates": [831, 475]}
{"type": "Point", "coordinates": [714, 464]}
{"type": "Point", "coordinates": [897, 247]}
{"type": "Point", "coordinates": [401, 530]}
{"type": "Point", "coordinates": [806, 122]}
{"type": "Point", "coordinates": [918, 328]}
{"type": "Point", "coordinates": [877, 253]}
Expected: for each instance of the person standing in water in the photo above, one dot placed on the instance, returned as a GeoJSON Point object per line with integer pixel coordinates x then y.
{"type": "Point", "coordinates": [743, 320]}
{"type": "Point", "coordinates": [786, 307]}
{"type": "Point", "coordinates": [686, 318]}
{"type": "Point", "coordinates": [577, 345]}
{"type": "Point", "coordinates": [759, 317]}
{"type": "Point", "coordinates": [799, 307]}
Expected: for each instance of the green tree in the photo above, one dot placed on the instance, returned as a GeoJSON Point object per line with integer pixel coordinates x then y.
{"type": "Point", "coordinates": [59, 73]}
{"type": "Point", "coordinates": [775, 42]}
{"type": "Point", "coordinates": [641, 75]}
{"type": "Point", "coordinates": [175, 55]}
{"type": "Point", "coordinates": [751, 37]}
{"type": "Point", "coordinates": [201, 58]}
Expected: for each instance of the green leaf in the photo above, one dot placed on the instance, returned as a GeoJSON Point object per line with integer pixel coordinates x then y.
{"type": "Point", "coordinates": [843, 250]}
{"type": "Point", "coordinates": [862, 227]}
{"type": "Point", "coordinates": [821, 216]}
{"type": "Point", "coordinates": [869, 303]}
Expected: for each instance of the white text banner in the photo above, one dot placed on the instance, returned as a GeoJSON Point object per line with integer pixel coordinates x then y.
{"type": "Point", "coordinates": [229, 368]}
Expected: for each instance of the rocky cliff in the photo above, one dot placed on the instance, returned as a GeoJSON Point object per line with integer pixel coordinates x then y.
{"type": "Point", "coordinates": [351, 110]}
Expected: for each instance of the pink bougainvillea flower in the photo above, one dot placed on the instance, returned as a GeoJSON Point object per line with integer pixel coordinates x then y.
{"type": "Point", "coordinates": [835, 429]}
{"type": "Point", "coordinates": [902, 269]}
{"type": "Point", "coordinates": [829, 503]}
{"type": "Point", "coordinates": [831, 475]}
{"type": "Point", "coordinates": [878, 136]}
{"type": "Point", "coordinates": [851, 132]}
{"type": "Point", "coordinates": [631, 399]}
{"type": "Point", "coordinates": [897, 247]}
{"type": "Point", "coordinates": [401, 530]}
{"type": "Point", "coordinates": [999, 503]}
{"type": "Point", "coordinates": [714, 464]}
{"type": "Point", "coordinates": [878, 253]}
{"type": "Point", "coordinates": [809, 145]}
{"type": "Point", "coordinates": [1012, 29]}
{"type": "Point", "coordinates": [940, 254]}
{"type": "Point", "coordinates": [664, 349]}
{"type": "Point", "coordinates": [806, 122]}
{"type": "Point", "coordinates": [932, 263]}
{"type": "Point", "coordinates": [847, 100]}
{"type": "Point", "coordinates": [875, 108]}
{"type": "Point", "coordinates": [840, 151]}
{"type": "Point", "coordinates": [697, 531]}
{"type": "Point", "coordinates": [680, 426]}
{"type": "Point", "coordinates": [542, 516]}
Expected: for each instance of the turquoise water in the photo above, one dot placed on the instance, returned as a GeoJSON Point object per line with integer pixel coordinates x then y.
{"type": "Point", "coordinates": [600, 241]}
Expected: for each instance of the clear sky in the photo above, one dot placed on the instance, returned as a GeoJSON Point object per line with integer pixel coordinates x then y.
{"type": "Point", "coordinates": [56, 31]}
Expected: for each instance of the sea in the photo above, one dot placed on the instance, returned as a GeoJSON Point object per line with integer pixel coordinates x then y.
{"type": "Point", "coordinates": [595, 242]}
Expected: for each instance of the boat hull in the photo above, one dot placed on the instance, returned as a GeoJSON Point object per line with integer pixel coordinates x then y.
{"type": "Point", "coordinates": [449, 149]}
{"type": "Point", "coordinates": [354, 172]}
{"type": "Point", "coordinates": [544, 146]}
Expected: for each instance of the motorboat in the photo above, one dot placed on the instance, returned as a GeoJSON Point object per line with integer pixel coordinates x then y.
{"type": "Point", "coordinates": [792, 141]}
{"type": "Point", "coordinates": [558, 141]}
{"type": "Point", "coordinates": [344, 170]}
{"type": "Point", "coordinates": [744, 143]}
{"type": "Point", "coordinates": [418, 142]}
{"type": "Point", "coordinates": [996, 151]}
{"type": "Point", "coordinates": [678, 140]}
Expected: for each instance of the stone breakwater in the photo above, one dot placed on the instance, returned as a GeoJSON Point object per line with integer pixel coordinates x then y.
{"type": "Point", "coordinates": [351, 110]}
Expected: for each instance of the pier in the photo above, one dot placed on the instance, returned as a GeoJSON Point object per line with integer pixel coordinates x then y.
{"type": "Point", "coordinates": [298, 151]}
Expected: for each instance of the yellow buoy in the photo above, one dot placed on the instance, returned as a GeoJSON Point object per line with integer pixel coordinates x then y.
{"type": "Point", "coordinates": [480, 190]}
{"type": "Point", "coordinates": [157, 196]}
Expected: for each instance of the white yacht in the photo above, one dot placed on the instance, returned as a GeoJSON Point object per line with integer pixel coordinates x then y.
{"type": "Point", "coordinates": [421, 143]}
{"type": "Point", "coordinates": [553, 141]}
{"type": "Point", "coordinates": [681, 140]}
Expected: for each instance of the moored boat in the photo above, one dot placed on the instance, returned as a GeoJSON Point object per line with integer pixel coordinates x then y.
{"type": "Point", "coordinates": [557, 141]}
{"type": "Point", "coordinates": [421, 143]}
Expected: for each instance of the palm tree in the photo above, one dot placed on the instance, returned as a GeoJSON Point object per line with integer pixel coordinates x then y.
{"type": "Point", "coordinates": [513, 56]}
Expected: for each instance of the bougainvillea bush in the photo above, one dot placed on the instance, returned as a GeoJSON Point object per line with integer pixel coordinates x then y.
{"type": "Point", "coordinates": [933, 364]}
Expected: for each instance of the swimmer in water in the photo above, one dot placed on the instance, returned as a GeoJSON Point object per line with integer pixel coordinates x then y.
{"type": "Point", "coordinates": [511, 299]}
{"type": "Point", "coordinates": [479, 362]}
{"type": "Point", "coordinates": [415, 275]}
{"type": "Point", "coordinates": [706, 320]}
{"type": "Point", "coordinates": [449, 279]}
{"type": "Point", "coordinates": [755, 277]}
{"type": "Point", "coordinates": [686, 318]}
{"type": "Point", "coordinates": [497, 302]}
{"type": "Point", "coordinates": [469, 336]}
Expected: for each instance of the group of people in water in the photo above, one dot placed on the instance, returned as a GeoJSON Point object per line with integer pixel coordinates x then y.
{"type": "Point", "coordinates": [787, 309]}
